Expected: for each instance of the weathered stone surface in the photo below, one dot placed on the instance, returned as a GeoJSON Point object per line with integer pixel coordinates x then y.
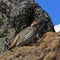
{"type": "Point", "coordinates": [15, 15]}
{"type": "Point", "coordinates": [47, 49]}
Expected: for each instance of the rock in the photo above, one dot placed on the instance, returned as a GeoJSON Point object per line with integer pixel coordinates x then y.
{"type": "Point", "coordinates": [16, 15]}
{"type": "Point", "coordinates": [48, 49]}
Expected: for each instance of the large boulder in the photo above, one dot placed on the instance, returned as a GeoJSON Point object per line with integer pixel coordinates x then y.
{"type": "Point", "coordinates": [16, 15]}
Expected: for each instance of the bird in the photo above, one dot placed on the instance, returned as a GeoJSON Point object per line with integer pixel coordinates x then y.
{"type": "Point", "coordinates": [24, 37]}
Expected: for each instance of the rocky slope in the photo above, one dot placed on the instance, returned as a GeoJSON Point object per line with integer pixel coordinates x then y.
{"type": "Point", "coordinates": [48, 48]}
{"type": "Point", "coordinates": [16, 15]}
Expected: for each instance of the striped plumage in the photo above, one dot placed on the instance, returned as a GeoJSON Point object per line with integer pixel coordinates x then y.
{"type": "Point", "coordinates": [24, 37]}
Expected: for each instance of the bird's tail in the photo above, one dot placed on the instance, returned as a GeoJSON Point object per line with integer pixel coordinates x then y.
{"type": "Point", "coordinates": [14, 42]}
